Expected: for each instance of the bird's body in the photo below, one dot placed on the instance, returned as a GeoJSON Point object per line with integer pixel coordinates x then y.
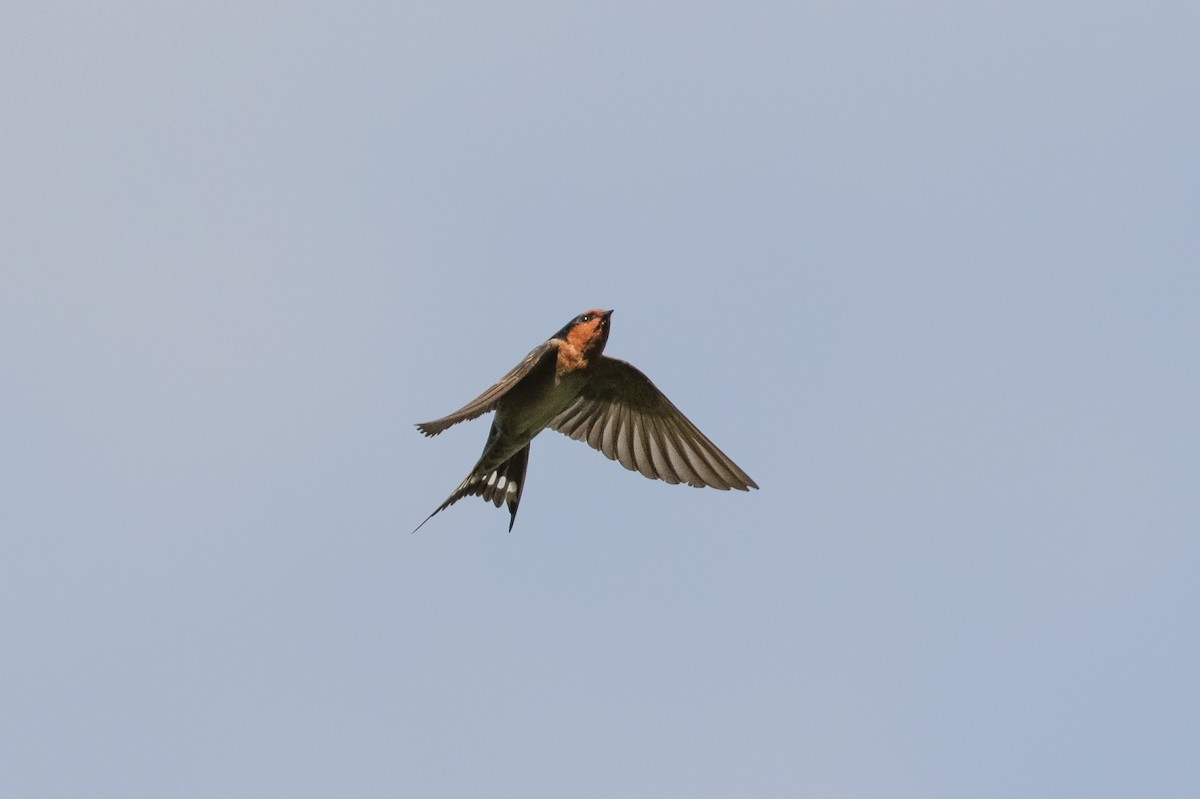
{"type": "Point", "coordinates": [569, 385]}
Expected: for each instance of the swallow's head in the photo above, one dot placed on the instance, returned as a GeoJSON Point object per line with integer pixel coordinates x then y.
{"type": "Point", "coordinates": [587, 332]}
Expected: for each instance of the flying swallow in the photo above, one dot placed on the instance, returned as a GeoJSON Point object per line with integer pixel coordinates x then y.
{"type": "Point", "coordinates": [567, 384]}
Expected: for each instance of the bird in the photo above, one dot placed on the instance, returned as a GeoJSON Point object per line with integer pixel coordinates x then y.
{"type": "Point", "coordinates": [569, 385]}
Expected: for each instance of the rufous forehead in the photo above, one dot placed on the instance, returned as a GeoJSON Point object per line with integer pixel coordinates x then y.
{"type": "Point", "coordinates": [596, 312]}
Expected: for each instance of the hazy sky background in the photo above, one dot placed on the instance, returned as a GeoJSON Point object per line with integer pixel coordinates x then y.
{"type": "Point", "coordinates": [929, 272]}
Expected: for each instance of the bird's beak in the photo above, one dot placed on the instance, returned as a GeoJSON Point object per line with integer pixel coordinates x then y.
{"type": "Point", "coordinates": [608, 313]}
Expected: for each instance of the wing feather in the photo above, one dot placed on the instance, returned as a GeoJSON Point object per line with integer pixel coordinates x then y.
{"type": "Point", "coordinates": [623, 415]}
{"type": "Point", "coordinates": [625, 438]}
{"type": "Point", "coordinates": [641, 446]}
{"type": "Point", "coordinates": [658, 451]}
{"type": "Point", "coordinates": [679, 451]}
{"type": "Point", "coordinates": [542, 357]}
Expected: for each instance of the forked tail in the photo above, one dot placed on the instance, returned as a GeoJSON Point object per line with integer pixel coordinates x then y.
{"type": "Point", "coordinates": [502, 484]}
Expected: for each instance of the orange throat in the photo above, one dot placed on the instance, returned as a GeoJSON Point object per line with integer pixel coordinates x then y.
{"type": "Point", "coordinates": [581, 345]}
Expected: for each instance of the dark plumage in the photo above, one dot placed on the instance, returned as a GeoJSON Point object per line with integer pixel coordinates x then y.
{"type": "Point", "coordinates": [568, 385]}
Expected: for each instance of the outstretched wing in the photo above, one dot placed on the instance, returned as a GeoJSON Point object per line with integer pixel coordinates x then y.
{"type": "Point", "coordinates": [486, 401]}
{"type": "Point", "coordinates": [622, 414]}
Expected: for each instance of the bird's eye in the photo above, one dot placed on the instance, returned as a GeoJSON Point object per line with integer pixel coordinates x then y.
{"type": "Point", "coordinates": [587, 317]}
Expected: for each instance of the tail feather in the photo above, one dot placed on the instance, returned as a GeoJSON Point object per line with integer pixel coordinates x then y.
{"type": "Point", "coordinates": [502, 484]}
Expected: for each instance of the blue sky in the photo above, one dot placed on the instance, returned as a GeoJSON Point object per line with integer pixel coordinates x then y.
{"type": "Point", "coordinates": [927, 272]}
